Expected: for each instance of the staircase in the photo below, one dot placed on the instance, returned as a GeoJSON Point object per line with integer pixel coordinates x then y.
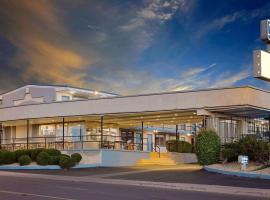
{"type": "Point", "coordinates": [154, 159]}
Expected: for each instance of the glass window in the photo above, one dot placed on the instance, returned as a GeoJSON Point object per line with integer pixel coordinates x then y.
{"type": "Point", "coordinates": [160, 140]}
{"type": "Point", "coordinates": [183, 127]}
{"type": "Point", "coordinates": [47, 130]}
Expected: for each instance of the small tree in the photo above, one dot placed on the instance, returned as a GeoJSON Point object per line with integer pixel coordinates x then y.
{"type": "Point", "coordinates": [207, 147]}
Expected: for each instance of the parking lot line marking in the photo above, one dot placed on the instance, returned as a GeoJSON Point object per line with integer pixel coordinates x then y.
{"type": "Point", "coordinates": [35, 195]}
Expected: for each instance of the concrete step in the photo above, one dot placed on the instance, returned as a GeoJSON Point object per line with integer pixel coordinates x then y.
{"type": "Point", "coordinates": [154, 159]}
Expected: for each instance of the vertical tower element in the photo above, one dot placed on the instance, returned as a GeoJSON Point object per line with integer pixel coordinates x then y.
{"type": "Point", "coordinates": [261, 59]}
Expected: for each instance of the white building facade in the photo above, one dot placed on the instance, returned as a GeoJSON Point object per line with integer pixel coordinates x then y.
{"type": "Point", "coordinates": [70, 118]}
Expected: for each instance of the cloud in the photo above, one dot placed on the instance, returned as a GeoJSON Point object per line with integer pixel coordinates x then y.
{"type": "Point", "coordinates": [231, 79]}
{"type": "Point", "coordinates": [159, 11]}
{"type": "Point", "coordinates": [241, 15]}
{"type": "Point", "coordinates": [44, 49]}
{"type": "Point", "coordinates": [196, 70]}
{"type": "Point", "coordinates": [98, 51]}
{"type": "Point", "coordinates": [130, 81]}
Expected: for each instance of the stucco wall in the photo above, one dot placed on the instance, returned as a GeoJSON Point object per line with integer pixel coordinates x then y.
{"type": "Point", "coordinates": [142, 103]}
{"type": "Point", "coordinates": [48, 95]}
{"type": "Point", "coordinates": [109, 158]}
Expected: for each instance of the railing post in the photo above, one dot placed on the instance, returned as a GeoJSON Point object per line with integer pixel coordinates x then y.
{"type": "Point", "coordinates": [81, 139]}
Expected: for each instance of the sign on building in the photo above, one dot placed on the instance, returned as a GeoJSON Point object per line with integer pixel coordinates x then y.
{"type": "Point", "coordinates": [261, 59]}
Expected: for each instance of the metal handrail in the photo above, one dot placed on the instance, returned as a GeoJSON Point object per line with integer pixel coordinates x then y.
{"type": "Point", "coordinates": [155, 149]}
{"type": "Point", "coordinates": [110, 141]}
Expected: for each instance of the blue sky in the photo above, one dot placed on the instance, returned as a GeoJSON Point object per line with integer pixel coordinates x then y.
{"type": "Point", "coordinates": [130, 47]}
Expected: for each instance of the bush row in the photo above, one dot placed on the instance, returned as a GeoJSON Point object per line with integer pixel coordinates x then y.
{"type": "Point", "coordinates": [178, 146]}
{"type": "Point", "coordinates": [209, 150]}
{"type": "Point", "coordinates": [41, 156]}
{"type": "Point", "coordinates": [256, 150]}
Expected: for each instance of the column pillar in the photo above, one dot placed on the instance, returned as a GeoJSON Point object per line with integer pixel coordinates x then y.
{"type": "Point", "coordinates": [269, 128]}
{"type": "Point", "coordinates": [27, 134]}
{"type": "Point", "coordinates": [142, 137]}
{"type": "Point", "coordinates": [101, 132]}
{"type": "Point", "coordinates": [204, 122]}
{"type": "Point", "coordinates": [63, 132]}
{"type": "Point", "coordinates": [1, 133]}
{"type": "Point", "coordinates": [177, 136]}
{"type": "Point", "coordinates": [176, 133]}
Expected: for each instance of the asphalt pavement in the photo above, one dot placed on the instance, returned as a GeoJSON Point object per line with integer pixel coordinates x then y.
{"type": "Point", "coordinates": [13, 188]}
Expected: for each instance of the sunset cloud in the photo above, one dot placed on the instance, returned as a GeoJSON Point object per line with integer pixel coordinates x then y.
{"type": "Point", "coordinates": [44, 49]}
{"type": "Point", "coordinates": [126, 47]}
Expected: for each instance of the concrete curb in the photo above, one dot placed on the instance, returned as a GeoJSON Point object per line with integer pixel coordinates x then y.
{"type": "Point", "coordinates": [237, 173]}
{"type": "Point", "coordinates": [255, 192]}
{"type": "Point", "coordinates": [39, 167]}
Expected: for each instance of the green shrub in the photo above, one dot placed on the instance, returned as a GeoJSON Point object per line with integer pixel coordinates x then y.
{"type": "Point", "coordinates": [53, 152]}
{"type": "Point", "coordinates": [43, 158]}
{"type": "Point", "coordinates": [22, 152]}
{"type": "Point", "coordinates": [10, 157]}
{"type": "Point", "coordinates": [7, 157]}
{"type": "Point", "coordinates": [77, 157]}
{"type": "Point", "coordinates": [54, 160]}
{"type": "Point", "coordinates": [256, 150]}
{"type": "Point", "coordinates": [24, 160]}
{"type": "Point", "coordinates": [34, 153]}
{"type": "Point", "coordinates": [207, 147]}
{"type": "Point", "coordinates": [66, 162]}
{"type": "Point", "coordinates": [178, 146]}
{"type": "Point", "coordinates": [65, 155]}
{"type": "Point", "coordinates": [230, 151]}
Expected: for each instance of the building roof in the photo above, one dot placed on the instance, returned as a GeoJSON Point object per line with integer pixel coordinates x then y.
{"type": "Point", "coordinates": [59, 87]}
{"type": "Point", "coordinates": [238, 101]}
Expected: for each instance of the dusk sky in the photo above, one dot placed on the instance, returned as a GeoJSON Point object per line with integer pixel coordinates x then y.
{"type": "Point", "coordinates": [130, 47]}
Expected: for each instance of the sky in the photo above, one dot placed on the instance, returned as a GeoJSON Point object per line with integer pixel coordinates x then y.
{"type": "Point", "coordinates": [132, 46]}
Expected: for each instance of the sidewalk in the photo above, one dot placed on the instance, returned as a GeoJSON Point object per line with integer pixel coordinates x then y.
{"type": "Point", "coordinates": [255, 192]}
{"type": "Point", "coordinates": [259, 174]}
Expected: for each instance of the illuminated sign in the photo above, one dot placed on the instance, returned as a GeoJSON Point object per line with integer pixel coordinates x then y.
{"type": "Point", "coordinates": [265, 30]}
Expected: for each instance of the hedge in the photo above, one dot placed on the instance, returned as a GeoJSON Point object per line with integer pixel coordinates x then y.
{"type": "Point", "coordinates": [24, 160]}
{"type": "Point", "coordinates": [208, 147]}
{"type": "Point", "coordinates": [54, 160]}
{"type": "Point", "coordinates": [256, 150]}
{"type": "Point", "coordinates": [178, 146]}
{"type": "Point", "coordinates": [77, 157]}
{"type": "Point", "coordinates": [66, 162]}
{"type": "Point", "coordinates": [22, 152]}
{"type": "Point", "coordinates": [34, 153]}
{"type": "Point", "coordinates": [43, 158]}
{"type": "Point", "coordinates": [7, 157]}
{"type": "Point", "coordinates": [53, 152]}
